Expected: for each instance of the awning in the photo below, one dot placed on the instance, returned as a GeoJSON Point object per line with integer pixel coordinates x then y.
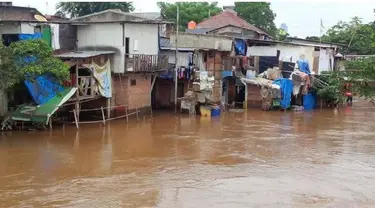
{"type": "Point", "coordinates": [42, 113]}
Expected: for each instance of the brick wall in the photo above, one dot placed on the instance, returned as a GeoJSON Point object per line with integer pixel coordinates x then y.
{"type": "Point", "coordinates": [133, 96]}
{"type": "Point", "coordinates": [139, 94]}
{"type": "Point", "coordinates": [254, 99]}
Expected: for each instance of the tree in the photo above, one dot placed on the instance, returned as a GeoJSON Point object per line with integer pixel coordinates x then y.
{"type": "Point", "coordinates": [258, 14]}
{"type": "Point", "coordinates": [8, 75]}
{"type": "Point", "coordinates": [358, 37]}
{"type": "Point", "coordinates": [362, 74]}
{"type": "Point", "coordinates": [27, 59]}
{"type": "Point", "coordinates": [189, 11]}
{"type": "Point", "coordinates": [76, 9]}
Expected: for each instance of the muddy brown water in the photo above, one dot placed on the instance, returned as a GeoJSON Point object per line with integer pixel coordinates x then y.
{"type": "Point", "coordinates": [255, 159]}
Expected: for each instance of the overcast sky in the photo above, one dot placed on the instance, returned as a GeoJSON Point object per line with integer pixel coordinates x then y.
{"type": "Point", "coordinates": [301, 17]}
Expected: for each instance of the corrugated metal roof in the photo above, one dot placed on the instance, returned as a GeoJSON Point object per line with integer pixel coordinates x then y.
{"type": "Point", "coordinates": [83, 54]}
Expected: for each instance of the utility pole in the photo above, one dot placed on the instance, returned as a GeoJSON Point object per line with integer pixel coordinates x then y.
{"type": "Point", "coordinates": [176, 63]}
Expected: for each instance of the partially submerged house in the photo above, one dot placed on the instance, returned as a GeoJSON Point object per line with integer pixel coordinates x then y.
{"type": "Point", "coordinates": [230, 24]}
{"type": "Point", "coordinates": [135, 43]}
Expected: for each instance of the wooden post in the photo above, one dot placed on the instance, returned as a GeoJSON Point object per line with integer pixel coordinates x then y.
{"type": "Point", "coordinates": [75, 118]}
{"type": "Point", "coordinates": [127, 114]}
{"type": "Point", "coordinates": [77, 95]}
{"type": "Point", "coordinates": [152, 88]}
{"type": "Point", "coordinates": [50, 123]}
{"type": "Point", "coordinates": [136, 110]}
{"type": "Point", "coordinates": [108, 107]}
{"type": "Point", "coordinates": [103, 116]}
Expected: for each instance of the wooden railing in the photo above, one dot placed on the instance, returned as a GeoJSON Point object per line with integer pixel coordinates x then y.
{"type": "Point", "coordinates": [145, 63]}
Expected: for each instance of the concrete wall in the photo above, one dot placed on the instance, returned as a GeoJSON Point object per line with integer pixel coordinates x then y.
{"type": "Point", "coordinates": [103, 36]}
{"type": "Point", "coordinates": [199, 41]}
{"type": "Point", "coordinates": [143, 38]}
{"type": "Point", "coordinates": [10, 28]}
{"type": "Point", "coordinates": [27, 28]}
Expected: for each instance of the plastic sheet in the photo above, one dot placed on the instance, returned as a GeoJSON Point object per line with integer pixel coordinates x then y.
{"type": "Point", "coordinates": [43, 88]}
{"type": "Point", "coordinates": [286, 86]}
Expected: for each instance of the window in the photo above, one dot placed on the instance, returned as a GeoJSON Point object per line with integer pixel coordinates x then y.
{"type": "Point", "coordinates": [133, 82]}
{"type": "Point", "coordinates": [127, 47]}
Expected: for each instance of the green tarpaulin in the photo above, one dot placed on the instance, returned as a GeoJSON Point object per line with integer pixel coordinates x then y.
{"type": "Point", "coordinates": [42, 113]}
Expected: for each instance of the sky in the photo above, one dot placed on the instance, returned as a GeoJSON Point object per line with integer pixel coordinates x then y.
{"type": "Point", "coordinates": [301, 17]}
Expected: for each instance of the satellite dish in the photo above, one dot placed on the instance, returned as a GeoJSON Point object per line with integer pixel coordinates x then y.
{"type": "Point", "coordinates": [40, 18]}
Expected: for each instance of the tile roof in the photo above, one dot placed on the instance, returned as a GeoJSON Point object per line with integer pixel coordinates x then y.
{"type": "Point", "coordinates": [13, 13]}
{"type": "Point", "coordinates": [228, 18]}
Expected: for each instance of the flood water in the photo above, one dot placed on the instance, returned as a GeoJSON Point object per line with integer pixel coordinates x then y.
{"type": "Point", "coordinates": [254, 159]}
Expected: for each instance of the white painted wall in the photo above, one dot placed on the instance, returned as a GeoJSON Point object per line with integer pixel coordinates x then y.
{"type": "Point", "coordinates": [143, 38]}
{"type": "Point", "coordinates": [27, 28]}
{"type": "Point", "coordinates": [326, 60]}
{"type": "Point", "coordinates": [104, 35]}
{"type": "Point", "coordinates": [10, 28]}
{"type": "Point", "coordinates": [290, 53]}
{"type": "Point", "coordinates": [183, 57]}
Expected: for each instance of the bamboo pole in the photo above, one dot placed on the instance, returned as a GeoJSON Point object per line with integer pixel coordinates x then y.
{"type": "Point", "coordinates": [176, 59]}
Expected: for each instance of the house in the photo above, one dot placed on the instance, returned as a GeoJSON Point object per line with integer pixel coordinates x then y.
{"type": "Point", "coordinates": [164, 29]}
{"type": "Point", "coordinates": [164, 90]}
{"type": "Point", "coordinates": [228, 23]}
{"type": "Point", "coordinates": [135, 41]}
{"type": "Point", "coordinates": [209, 54]}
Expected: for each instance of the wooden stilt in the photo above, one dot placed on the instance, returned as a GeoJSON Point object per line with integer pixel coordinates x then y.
{"type": "Point", "coordinates": [50, 124]}
{"type": "Point", "coordinates": [75, 118]}
{"type": "Point", "coordinates": [137, 113]}
{"type": "Point", "coordinates": [103, 116]}
{"type": "Point", "coordinates": [127, 115]}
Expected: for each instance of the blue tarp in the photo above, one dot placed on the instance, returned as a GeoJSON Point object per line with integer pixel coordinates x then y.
{"type": "Point", "coordinates": [240, 47]}
{"type": "Point", "coordinates": [43, 88]}
{"type": "Point", "coordinates": [309, 101]}
{"type": "Point", "coordinates": [286, 87]}
{"type": "Point", "coordinates": [303, 66]}
{"type": "Point", "coordinates": [30, 36]}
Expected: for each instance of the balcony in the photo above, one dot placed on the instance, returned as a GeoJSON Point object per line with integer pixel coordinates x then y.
{"type": "Point", "coordinates": [145, 63]}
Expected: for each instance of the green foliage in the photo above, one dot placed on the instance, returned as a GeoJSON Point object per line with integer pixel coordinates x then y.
{"type": "Point", "coordinates": [258, 14]}
{"type": "Point", "coordinates": [8, 75]}
{"type": "Point", "coordinates": [15, 68]}
{"type": "Point", "coordinates": [332, 93]}
{"type": "Point", "coordinates": [189, 11]}
{"type": "Point", "coordinates": [359, 37]}
{"type": "Point", "coordinates": [76, 9]}
{"type": "Point", "coordinates": [362, 74]}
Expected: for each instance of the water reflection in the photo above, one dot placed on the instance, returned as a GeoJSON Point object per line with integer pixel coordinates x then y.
{"type": "Point", "coordinates": [301, 159]}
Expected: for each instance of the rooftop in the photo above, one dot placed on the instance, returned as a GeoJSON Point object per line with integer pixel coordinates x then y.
{"type": "Point", "coordinates": [14, 13]}
{"type": "Point", "coordinates": [115, 15]}
{"type": "Point", "coordinates": [83, 54]}
{"type": "Point", "coordinates": [225, 18]}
